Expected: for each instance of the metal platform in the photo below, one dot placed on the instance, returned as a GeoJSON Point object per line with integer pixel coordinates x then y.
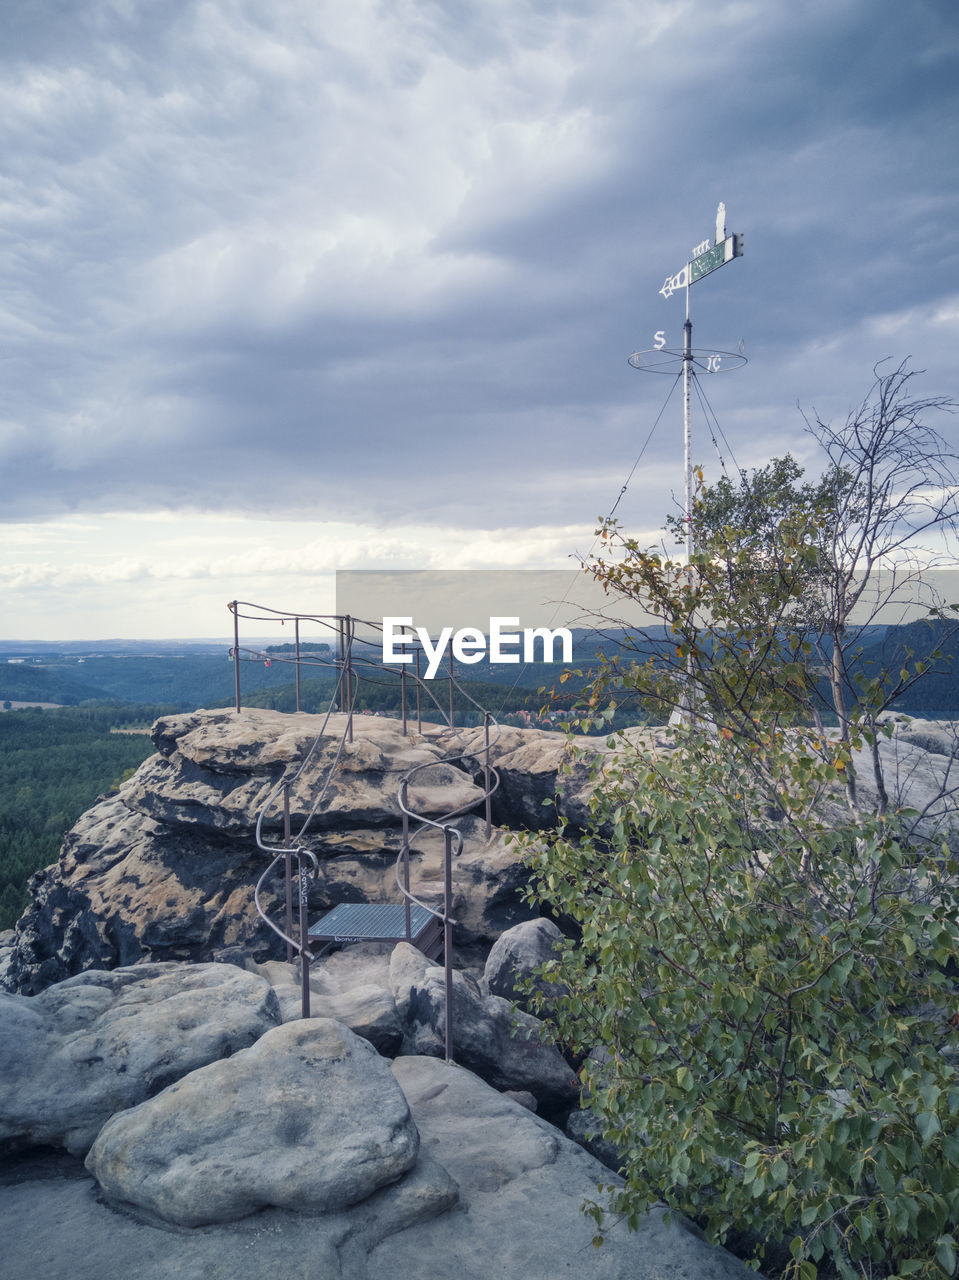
{"type": "Point", "coordinates": [379, 922]}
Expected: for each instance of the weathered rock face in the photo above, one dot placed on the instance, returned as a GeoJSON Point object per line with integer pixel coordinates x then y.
{"type": "Point", "coordinates": [165, 869]}
{"type": "Point", "coordinates": [309, 1119]}
{"type": "Point", "coordinates": [127, 889]}
{"type": "Point", "coordinates": [919, 772]}
{"type": "Point", "coordinates": [104, 1041]}
{"type": "Point", "coordinates": [531, 763]}
{"type": "Point", "coordinates": [217, 768]}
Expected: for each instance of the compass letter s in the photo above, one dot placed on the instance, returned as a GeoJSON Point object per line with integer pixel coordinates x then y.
{"type": "Point", "coordinates": [659, 340]}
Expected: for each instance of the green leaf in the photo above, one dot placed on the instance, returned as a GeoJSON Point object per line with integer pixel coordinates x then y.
{"type": "Point", "coordinates": [927, 1122]}
{"type": "Point", "coordinates": [946, 1254]}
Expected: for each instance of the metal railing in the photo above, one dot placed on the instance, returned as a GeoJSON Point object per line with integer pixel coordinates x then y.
{"type": "Point", "coordinates": [352, 666]}
{"type": "Point", "coordinates": [351, 669]}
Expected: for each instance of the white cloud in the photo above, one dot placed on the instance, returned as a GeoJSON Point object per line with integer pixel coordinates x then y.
{"type": "Point", "coordinates": [383, 263]}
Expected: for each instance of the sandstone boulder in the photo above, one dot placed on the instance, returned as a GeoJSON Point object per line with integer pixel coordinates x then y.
{"type": "Point", "coordinates": [309, 1119]}
{"type": "Point", "coordinates": [915, 778]}
{"type": "Point", "coordinates": [366, 1007]}
{"type": "Point", "coordinates": [515, 957]}
{"type": "Point", "coordinates": [585, 1128]}
{"type": "Point", "coordinates": [104, 1041]}
{"type": "Point", "coordinates": [941, 737]}
{"type": "Point", "coordinates": [501, 1044]}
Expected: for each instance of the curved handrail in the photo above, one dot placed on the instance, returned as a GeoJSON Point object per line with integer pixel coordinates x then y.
{"type": "Point", "coordinates": [442, 823]}
{"type": "Point", "coordinates": [347, 663]}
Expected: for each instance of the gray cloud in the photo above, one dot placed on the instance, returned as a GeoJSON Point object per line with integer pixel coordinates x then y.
{"type": "Point", "coordinates": [318, 258]}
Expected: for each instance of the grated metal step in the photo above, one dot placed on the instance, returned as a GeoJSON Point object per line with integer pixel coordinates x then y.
{"type": "Point", "coordinates": [369, 922]}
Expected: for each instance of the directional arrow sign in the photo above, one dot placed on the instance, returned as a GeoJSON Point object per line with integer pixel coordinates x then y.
{"type": "Point", "coordinates": [717, 256]}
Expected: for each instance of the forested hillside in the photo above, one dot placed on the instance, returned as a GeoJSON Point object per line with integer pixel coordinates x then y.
{"type": "Point", "coordinates": [182, 682]}
{"type": "Point", "coordinates": [53, 765]}
{"type": "Point", "coordinates": [28, 682]}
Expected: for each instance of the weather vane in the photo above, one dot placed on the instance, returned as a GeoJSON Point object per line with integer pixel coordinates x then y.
{"type": "Point", "coordinates": [704, 259]}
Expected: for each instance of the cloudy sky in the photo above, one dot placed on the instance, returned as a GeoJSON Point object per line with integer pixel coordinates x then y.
{"type": "Point", "coordinates": [291, 286]}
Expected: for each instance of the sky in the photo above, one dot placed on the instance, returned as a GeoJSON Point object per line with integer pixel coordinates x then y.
{"type": "Point", "coordinates": [292, 286]}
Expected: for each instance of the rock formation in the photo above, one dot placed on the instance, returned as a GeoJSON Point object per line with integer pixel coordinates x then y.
{"type": "Point", "coordinates": [165, 868]}
{"type": "Point", "coordinates": [515, 957]}
{"type": "Point", "coordinates": [309, 1119]}
{"type": "Point", "coordinates": [261, 1142]}
{"type": "Point", "coordinates": [96, 1044]}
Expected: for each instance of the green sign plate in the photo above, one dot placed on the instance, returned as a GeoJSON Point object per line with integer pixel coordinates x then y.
{"type": "Point", "coordinates": [706, 262]}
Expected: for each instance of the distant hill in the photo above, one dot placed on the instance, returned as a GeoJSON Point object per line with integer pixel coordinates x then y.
{"type": "Point", "coordinates": [936, 695]}
{"type": "Point", "coordinates": [25, 682]}
{"type": "Point", "coordinates": [180, 681]}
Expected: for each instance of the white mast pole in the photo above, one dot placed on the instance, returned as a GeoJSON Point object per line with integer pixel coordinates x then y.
{"type": "Point", "coordinates": [705, 259]}
{"type": "Point", "coordinates": [687, 441]}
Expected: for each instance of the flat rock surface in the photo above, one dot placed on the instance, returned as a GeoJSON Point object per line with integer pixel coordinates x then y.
{"type": "Point", "coordinates": [307, 1119]}
{"type": "Point", "coordinates": [521, 1183]}
{"type": "Point", "coordinates": [57, 1227]}
{"type": "Point", "coordinates": [105, 1041]}
{"type": "Point", "coordinates": [216, 769]}
{"type": "Point", "coordinates": [516, 1216]}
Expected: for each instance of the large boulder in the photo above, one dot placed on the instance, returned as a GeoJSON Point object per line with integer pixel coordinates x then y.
{"type": "Point", "coordinates": [585, 1128]}
{"type": "Point", "coordinates": [308, 1119]}
{"type": "Point", "coordinates": [104, 1041]}
{"type": "Point", "coordinates": [500, 1043]}
{"type": "Point", "coordinates": [916, 777]}
{"type": "Point", "coordinates": [515, 957]}
{"type": "Point", "coordinates": [941, 737]}
{"type": "Point", "coordinates": [358, 996]}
